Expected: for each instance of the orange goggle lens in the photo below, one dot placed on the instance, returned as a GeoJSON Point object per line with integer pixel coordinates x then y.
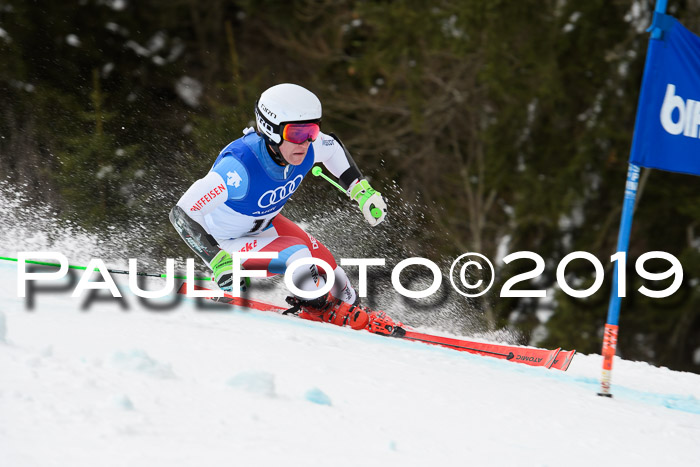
{"type": "Point", "coordinates": [299, 133]}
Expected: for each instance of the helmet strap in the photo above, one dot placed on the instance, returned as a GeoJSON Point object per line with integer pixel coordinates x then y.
{"type": "Point", "coordinates": [273, 149]}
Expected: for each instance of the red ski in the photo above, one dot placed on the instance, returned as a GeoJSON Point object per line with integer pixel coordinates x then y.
{"type": "Point", "coordinates": [563, 360]}
{"type": "Point", "coordinates": [529, 356]}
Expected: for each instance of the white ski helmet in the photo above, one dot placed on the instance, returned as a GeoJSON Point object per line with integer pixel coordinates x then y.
{"type": "Point", "coordinates": [282, 104]}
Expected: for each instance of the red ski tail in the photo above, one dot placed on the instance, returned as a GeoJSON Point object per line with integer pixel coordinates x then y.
{"type": "Point", "coordinates": [528, 356]}
{"type": "Point", "coordinates": [563, 360]}
{"type": "Point", "coordinates": [534, 357]}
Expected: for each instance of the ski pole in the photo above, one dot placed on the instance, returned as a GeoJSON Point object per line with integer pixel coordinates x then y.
{"type": "Point", "coordinates": [112, 271]}
{"type": "Point", "coordinates": [318, 172]}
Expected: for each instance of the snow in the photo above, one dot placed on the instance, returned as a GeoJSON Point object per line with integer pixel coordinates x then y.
{"type": "Point", "coordinates": [117, 29]}
{"type": "Point", "coordinates": [190, 90]}
{"type": "Point", "coordinates": [3, 327]}
{"type": "Point", "coordinates": [73, 40]}
{"type": "Point", "coordinates": [138, 48]}
{"type": "Point", "coordinates": [107, 69]}
{"type": "Point", "coordinates": [638, 16]}
{"type": "Point", "coordinates": [116, 5]}
{"type": "Point", "coordinates": [4, 35]}
{"type": "Point", "coordinates": [86, 384]}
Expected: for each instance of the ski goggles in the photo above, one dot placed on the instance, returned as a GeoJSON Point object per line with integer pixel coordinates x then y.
{"type": "Point", "coordinates": [299, 133]}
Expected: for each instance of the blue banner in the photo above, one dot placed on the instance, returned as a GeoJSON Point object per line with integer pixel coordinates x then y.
{"type": "Point", "coordinates": [667, 129]}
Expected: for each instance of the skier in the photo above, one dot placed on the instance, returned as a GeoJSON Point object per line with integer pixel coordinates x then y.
{"type": "Point", "coordinates": [236, 206]}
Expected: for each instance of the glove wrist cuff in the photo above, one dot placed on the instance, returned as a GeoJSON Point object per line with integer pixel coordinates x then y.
{"type": "Point", "coordinates": [360, 188]}
{"type": "Point", "coordinates": [221, 263]}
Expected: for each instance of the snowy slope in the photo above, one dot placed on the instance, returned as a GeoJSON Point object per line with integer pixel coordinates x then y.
{"type": "Point", "coordinates": [188, 387]}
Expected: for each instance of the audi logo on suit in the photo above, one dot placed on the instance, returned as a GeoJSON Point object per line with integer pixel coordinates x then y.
{"type": "Point", "coordinates": [272, 197]}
